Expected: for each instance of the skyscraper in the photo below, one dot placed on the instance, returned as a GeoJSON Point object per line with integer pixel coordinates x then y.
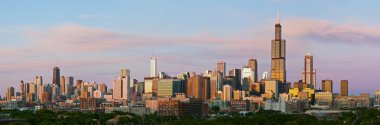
{"type": "Point", "coordinates": [102, 87]}
{"type": "Point", "coordinates": [56, 76]}
{"type": "Point", "coordinates": [309, 73]}
{"type": "Point", "coordinates": [216, 83]}
{"type": "Point", "coordinates": [22, 87]}
{"type": "Point", "coordinates": [327, 86]}
{"type": "Point", "coordinates": [344, 87]}
{"type": "Point", "coordinates": [376, 101]}
{"type": "Point", "coordinates": [168, 87]}
{"type": "Point", "coordinates": [221, 67]}
{"type": "Point", "coordinates": [38, 80]}
{"type": "Point", "coordinates": [69, 81]}
{"type": "Point", "coordinates": [252, 63]}
{"type": "Point", "coordinates": [153, 67]}
{"type": "Point", "coordinates": [278, 71]}
{"type": "Point", "coordinates": [237, 74]}
{"type": "Point", "coordinates": [62, 85]}
{"type": "Point", "coordinates": [40, 91]}
{"type": "Point", "coordinates": [248, 78]}
{"type": "Point", "coordinates": [227, 93]}
{"type": "Point", "coordinates": [10, 93]}
{"type": "Point", "coordinates": [124, 73]}
{"type": "Point", "coordinates": [198, 87]}
{"type": "Point", "coordinates": [121, 85]}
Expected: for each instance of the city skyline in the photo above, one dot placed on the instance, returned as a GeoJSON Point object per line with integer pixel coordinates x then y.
{"type": "Point", "coordinates": [36, 45]}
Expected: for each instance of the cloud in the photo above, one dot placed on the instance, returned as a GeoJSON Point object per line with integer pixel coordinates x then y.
{"type": "Point", "coordinates": [324, 30]}
{"type": "Point", "coordinates": [74, 38]}
{"type": "Point", "coordinates": [87, 50]}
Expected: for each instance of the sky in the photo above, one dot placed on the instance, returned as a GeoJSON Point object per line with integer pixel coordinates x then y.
{"type": "Point", "coordinates": [93, 40]}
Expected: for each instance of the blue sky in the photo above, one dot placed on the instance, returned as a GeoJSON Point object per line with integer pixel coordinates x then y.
{"type": "Point", "coordinates": [95, 39]}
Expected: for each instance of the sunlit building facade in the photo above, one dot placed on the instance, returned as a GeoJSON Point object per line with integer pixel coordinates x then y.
{"type": "Point", "coordinates": [327, 86]}
{"type": "Point", "coordinates": [309, 73]}
{"type": "Point", "coordinates": [278, 69]}
{"type": "Point", "coordinates": [344, 87]}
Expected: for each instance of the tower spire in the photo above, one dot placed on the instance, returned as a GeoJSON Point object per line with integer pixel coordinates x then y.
{"type": "Point", "coordinates": [278, 17]}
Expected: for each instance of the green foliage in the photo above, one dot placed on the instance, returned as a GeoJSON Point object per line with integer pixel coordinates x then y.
{"type": "Point", "coordinates": [361, 116]}
{"type": "Point", "coordinates": [215, 109]}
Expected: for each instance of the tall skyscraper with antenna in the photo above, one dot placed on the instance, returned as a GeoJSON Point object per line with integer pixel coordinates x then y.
{"type": "Point", "coordinates": [278, 70]}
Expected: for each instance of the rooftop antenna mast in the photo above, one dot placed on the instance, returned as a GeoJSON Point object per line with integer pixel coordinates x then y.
{"type": "Point", "coordinates": [278, 17]}
{"type": "Point", "coordinates": [57, 62]}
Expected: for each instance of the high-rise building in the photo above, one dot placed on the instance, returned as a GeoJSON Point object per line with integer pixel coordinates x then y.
{"type": "Point", "coordinates": [221, 67]}
{"type": "Point", "coordinates": [230, 80]}
{"type": "Point", "coordinates": [124, 73]}
{"type": "Point", "coordinates": [10, 93]}
{"type": "Point", "coordinates": [22, 87]}
{"type": "Point", "coordinates": [237, 75]}
{"type": "Point", "coordinates": [344, 87]}
{"type": "Point", "coordinates": [78, 83]}
{"type": "Point", "coordinates": [249, 74]}
{"type": "Point", "coordinates": [62, 85]}
{"type": "Point", "coordinates": [376, 101]}
{"type": "Point", "coordinates": [153, 67]}
{"type": "Point", "coordinates": [121, 85]}
{"type": "Point", "coordinates": [271, 88]}
{"type": "Point", "coordinates": [98, 94]}
{"type": "Point", "coordinates": [40, 91]}
{"type": "Point", "coordinates": [148, 83]}
{"type": "Point", "coordinates": [55, 91]}
{"type": "Point", "coordinates": [227, 93]}
{"type": "Point", "coordinates": [327, 86]}
{"type": "Point", "coordinates": [68, 89]}
{"type": "Point", "coordinates": [56, 76]}
{"type": "Point", "coordinates": [69, 80]}
{"type": "Point", "coordinates": [198, 87]}
{"type": "Point", "coordinates": [216, 83]}
{"type": "Point", "coordinates": [278, 69]}
{"type": "Point", "coordinates": [102, 87]}
{"type": "Point", "coordinates": [38, 80]}
{"type": "Point", "coordinates": [168, 87]}
{"type": "Point", "coordinates": [252, 64]}
{"type": "Point", "coordinates": [32, 88]}
{"type": "Point", "coordinates": [309, 73]}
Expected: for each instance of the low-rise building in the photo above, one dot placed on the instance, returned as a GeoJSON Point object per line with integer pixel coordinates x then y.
{"type": "Point", "coordinates": [324, 99]}
{"type": "Point", "coordinates": [241, 105]}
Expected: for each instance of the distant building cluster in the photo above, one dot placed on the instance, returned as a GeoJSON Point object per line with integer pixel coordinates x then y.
{"type": "Point", "coordinates": [190, 94]}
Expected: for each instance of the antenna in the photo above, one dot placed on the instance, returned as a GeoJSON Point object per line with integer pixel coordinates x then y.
{"type": "Point", "coordinates": [57, 62]}
{"type": "Point", "coordinates": [278, 17]}
{"type": "Point", "coordinates": [278, 13]}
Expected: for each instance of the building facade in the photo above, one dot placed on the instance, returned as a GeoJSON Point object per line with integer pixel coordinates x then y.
{"type": "Point", "coordinates": [278, 68]}
{"type": "Point", "coordinates": [309, 73]}
{"type": "Point", "coordinates": [344, 87]}
{"type": "Point", "coordinates": [327, 86]}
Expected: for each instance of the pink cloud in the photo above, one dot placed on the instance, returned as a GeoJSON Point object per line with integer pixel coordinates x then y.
{"type": "Point", "coordinates": [332, 32]}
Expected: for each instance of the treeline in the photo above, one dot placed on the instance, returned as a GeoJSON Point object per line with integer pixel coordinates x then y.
{"type": "Point", "coordinates": [47, 117]}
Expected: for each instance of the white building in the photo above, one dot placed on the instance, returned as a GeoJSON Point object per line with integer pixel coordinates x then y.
{"type": "Point", "coordinates": [98, 94]}
{"type": "Point", "coordinates": [153, 67]}
{"type": "Point", "coordinates": [248, 73]}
